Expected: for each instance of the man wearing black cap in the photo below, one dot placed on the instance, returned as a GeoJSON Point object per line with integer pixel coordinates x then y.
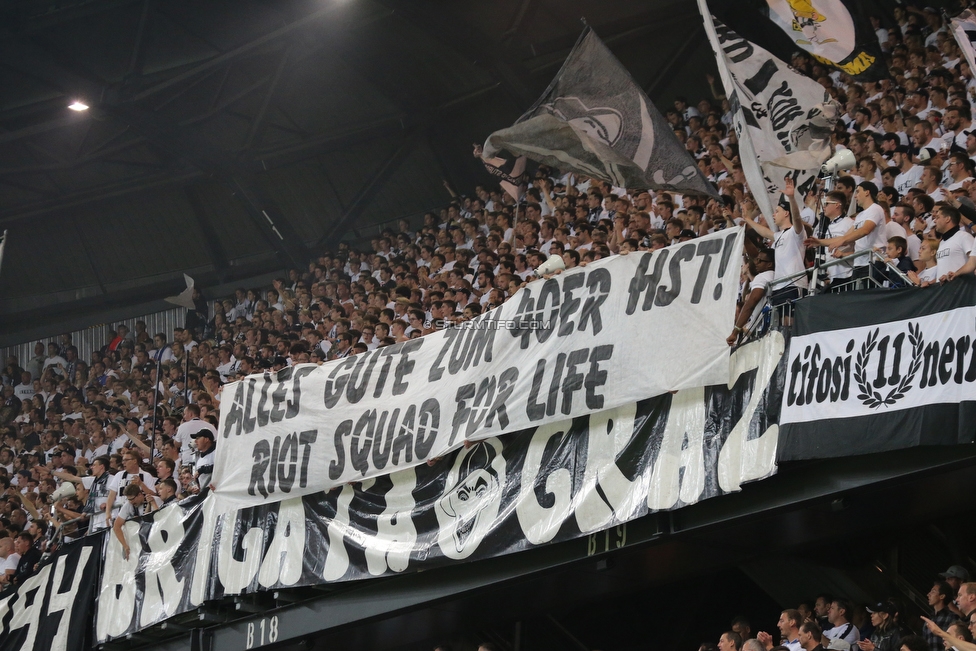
{"type": "Point", "coordinates": [204, 461]}
{"type": "Point", "coordinates": [955, 576]}
{"type": "Point", "coordinates": [190, 426]}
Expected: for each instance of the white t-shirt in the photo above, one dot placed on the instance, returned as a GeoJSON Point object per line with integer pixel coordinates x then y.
{"type": "Point", "coordinates": [184, 434]}
{"type": "Point", "coordinates": [97, 452]}
{"type": "Point", "coordinates": [10, 563]}
{"type": "Point", "coordinates": [953, 252]}
{"type": "Point", "coordinates": [128, 511]}
{"type": "Point", "coordinates": [761, 281]}
{"type": "Point", "coordinates": [876, 238]}
{"type": "Point", "coordinates": [837, 228]}
{"type": "Point", "coordinates": [957, 185]}
{"type": "Point", "coordinates": [894, 229]}
{"type": "Point", "coordinates": [929, 275]}
{"type": "Point", "coordinates": [846, 632]}
{"type": "Point", "coordinates": [120, 481]}
{"type": "Point", "coordinates": [24, 391]}
{"type": "Point", "coordinates": [788, 247]}
{"type": "Point", "coordinates": [908, 180]}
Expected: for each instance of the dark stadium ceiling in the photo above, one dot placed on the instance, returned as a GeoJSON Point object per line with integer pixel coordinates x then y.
{"type": "Point", "coordinates": [211, 119]}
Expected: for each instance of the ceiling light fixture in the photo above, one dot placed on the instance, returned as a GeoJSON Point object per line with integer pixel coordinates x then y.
{"type": "Point", "coordinates": [78, 106]}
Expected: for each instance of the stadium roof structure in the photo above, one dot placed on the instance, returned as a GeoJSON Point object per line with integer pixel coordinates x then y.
{"type": "Point", "coordinates": [231, 138]}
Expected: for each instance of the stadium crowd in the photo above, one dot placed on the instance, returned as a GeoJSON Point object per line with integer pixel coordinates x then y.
{"type": "Point", "coordinates": [835, 623]}
{"type": "Point", "coordinates": [87, 443]}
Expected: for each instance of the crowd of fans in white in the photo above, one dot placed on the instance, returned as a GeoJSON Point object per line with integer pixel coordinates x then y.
{"type": "Point", "coordinates": [77, 448]}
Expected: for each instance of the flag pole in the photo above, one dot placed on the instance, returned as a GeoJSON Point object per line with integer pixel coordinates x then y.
{"type": "Point", "coordinates": [3, 244]}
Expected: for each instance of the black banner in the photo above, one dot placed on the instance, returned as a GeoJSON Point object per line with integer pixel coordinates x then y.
{"type": "Point", "coordinates": [837, 33]}
{"type": "Point", "coordinates": [499, 496]}
{"type": "Point", "coordinates": [880, 370]}
{"type": "Point", "coordinates": [52, 610]}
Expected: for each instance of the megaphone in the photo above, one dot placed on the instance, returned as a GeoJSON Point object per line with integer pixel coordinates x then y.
{"type": "Point", "coordinates": [553, 264]}
{"type": "Point", "coordinates": [842, 160]}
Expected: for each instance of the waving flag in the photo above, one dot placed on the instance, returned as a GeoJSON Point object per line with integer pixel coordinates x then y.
{"type": "Point", "coordinates": [837, 33]}
{"type": "Point", "coordinates": [782, 118]}
{"type": "Point", "coordinates": [596, 121]}
{"type": "Point", "coordinates": [964, 29]}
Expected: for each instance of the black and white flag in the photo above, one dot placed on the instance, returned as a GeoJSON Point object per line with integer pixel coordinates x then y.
{"type": "Point", "coordinates": [52, 609]}
{"type": "Point", "coordinates": [596, 121]}
{"type": "Point", "coordinates": [783, 119]}
{"type": "Point", "coordinates": [964, 29]}
{"type": "Point", "coordinates": [837, 33]}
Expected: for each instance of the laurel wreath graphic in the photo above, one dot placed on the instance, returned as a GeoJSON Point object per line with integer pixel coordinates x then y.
{"type": "Point", "coordinates": [868, 395]}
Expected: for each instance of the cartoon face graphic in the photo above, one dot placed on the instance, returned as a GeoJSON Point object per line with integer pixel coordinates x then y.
{"type": "Point", "coordinates": [600, 123]}
{"type": "Point", "coordinates": [468, 509]}
{"type": "Point", "coordinates": [821, 27]}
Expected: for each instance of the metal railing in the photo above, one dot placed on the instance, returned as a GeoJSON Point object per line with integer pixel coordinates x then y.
{"type": "Point", "coordinates": [777, 315]}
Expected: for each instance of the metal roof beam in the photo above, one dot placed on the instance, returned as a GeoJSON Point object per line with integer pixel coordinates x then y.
{"type": "Point", "coordinates": [370, 189]}
{"type": "Point", "coordinates": [437, 22]}
{"type": "Point", "coordinates": [251, 46]}
{"type": "Point", "coordinates": [258, 122]}
{"type": "Point", "coordinates": [169, 137]}
{"type": "Point", "coordinates": [212, 241]}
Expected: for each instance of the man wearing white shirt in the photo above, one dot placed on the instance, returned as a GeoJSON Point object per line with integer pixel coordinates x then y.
{"type": "Point", "coordinates": [787, 242]}
{"type": "Point", "coordinates": [929, 183]}
{"type": "Point", "coordinates": [957, 121]}
{"type": "Point", "coordinates": [909, 173]}
{"type": "Point", "coordinates": [922, 136]}
{"type": "Point", "coordinates": [903, 215]}
{"type": "Point", "coordinates": [763, 272]}
{"type": "Point", "coordinates": [9, 559]}
{"type": "Point", "coordinates": [186, 431]}
{"type": "Point", "coordinates": [228, 363]}
{"type": "Point", "coordinates": [866, 233]}
{"type": "Point", "coordinates": [546, 231]}
{"type": "Point", "coordinates": [842, 628]}
{"type": "Point", "coordinates": [132, 473]}
{"type": "Point", "coordinates": [838, 223]}
{"type": "Point", "coordinates": [959, 174]}
{"type": "Point", "coordinates": [919, 103]}
{"type": "Point", "coordinates": [24, 390]}
{"type": "Point", "coordinates": [789, 630]}
{"type": "Point", "coordinates": [203, 463]}
{"type": "Point", "coordinates": [956, 247]}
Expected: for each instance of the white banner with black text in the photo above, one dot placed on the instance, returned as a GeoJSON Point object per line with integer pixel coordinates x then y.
{"type": "Point", "coordinates": [585, 341]}
{"type": "Point", "coordinates": [881, 370]}
{"type": "Point", "coordinates": [560, 481]}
